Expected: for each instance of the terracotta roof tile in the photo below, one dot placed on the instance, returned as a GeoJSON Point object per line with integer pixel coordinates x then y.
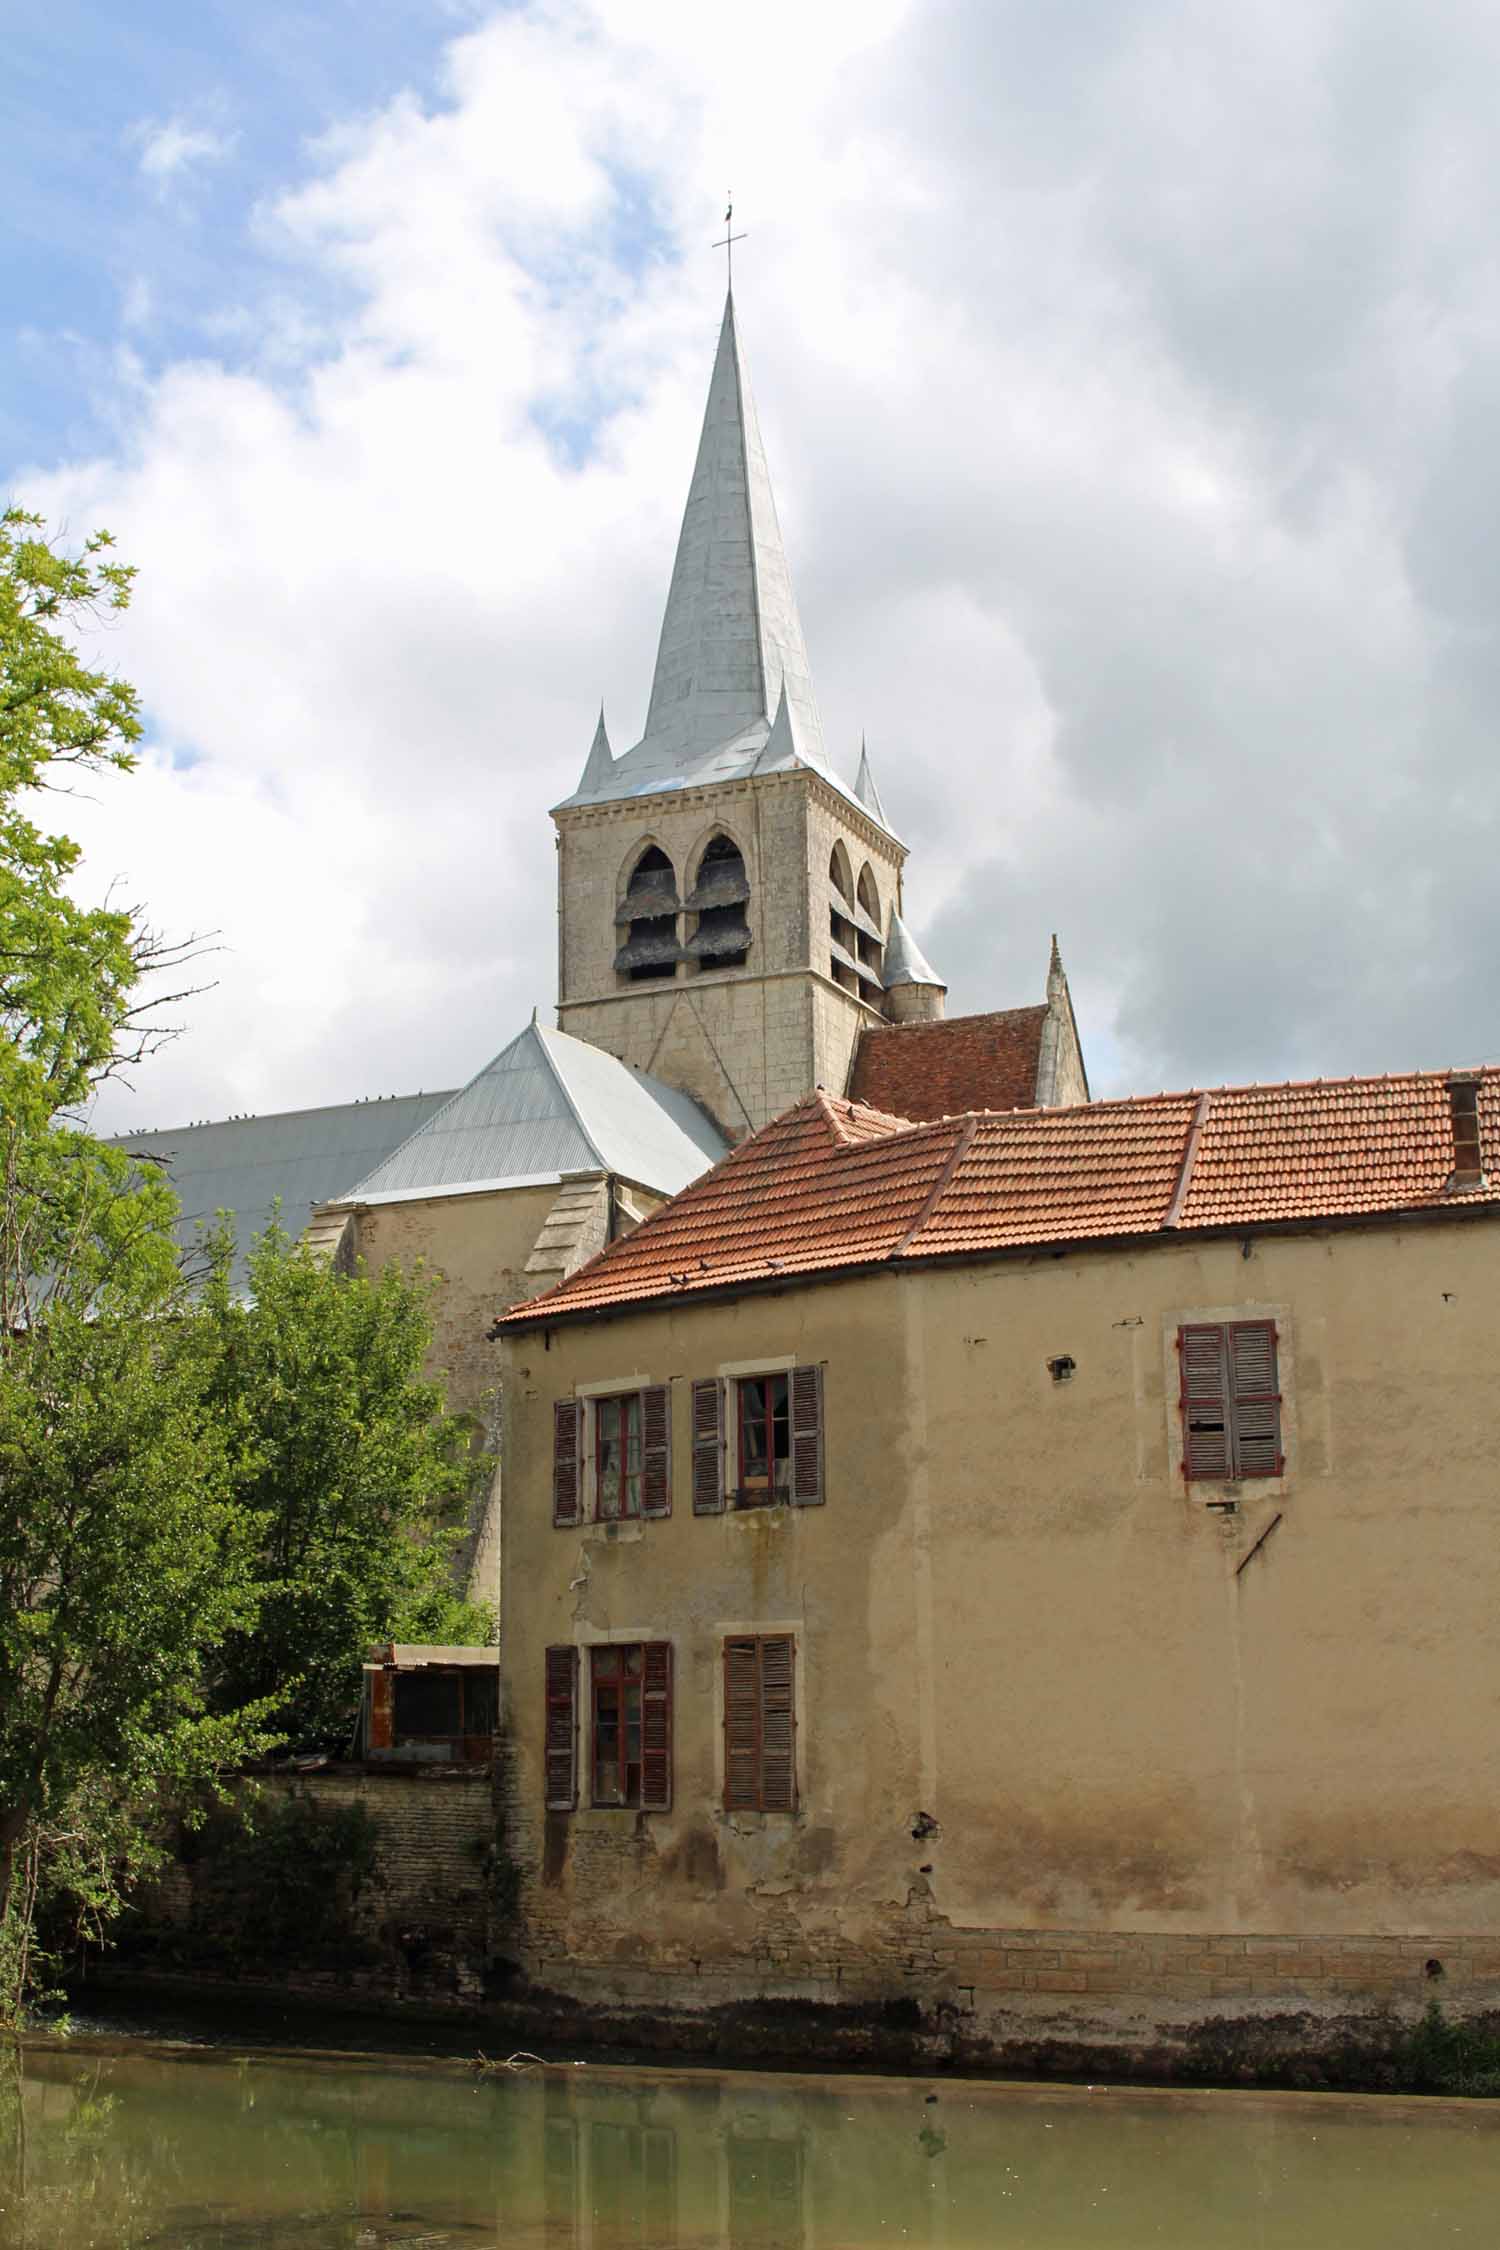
{"type": "Point", "coordinates": [926, 1070]}
{"type": "Point", "coordinates": [833, 1184]}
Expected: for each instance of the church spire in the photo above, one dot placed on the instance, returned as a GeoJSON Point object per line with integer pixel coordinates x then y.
{"type": "Point", "coordinates": [600, 761]}
{"type": "Point", "coordinates": [865, 789]}
{"type": "Point", "coordinates": [731, 639]}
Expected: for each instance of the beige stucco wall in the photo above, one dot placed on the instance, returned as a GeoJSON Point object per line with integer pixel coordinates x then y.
{"type": "Point", "coordinates": [1014, 1617]}
{"type": "Point", "coordinates": [745, 1043]}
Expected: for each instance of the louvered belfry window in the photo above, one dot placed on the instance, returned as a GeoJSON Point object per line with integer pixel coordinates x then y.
{"type": "Point", "coordinates": [1231, 1400]}
{"type": "Point", "coordinates": [760, 1725]}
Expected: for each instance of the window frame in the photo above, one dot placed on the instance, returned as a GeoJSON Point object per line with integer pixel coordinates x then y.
{"type": "Point", "coordinates": [618, 1652]}
{"type": "Point", "coordinates": [656, 1677]}
{"type": "Point", "coordinates": [630, 1404]}
{"type": "Point", "coordinates": [772, 1497]}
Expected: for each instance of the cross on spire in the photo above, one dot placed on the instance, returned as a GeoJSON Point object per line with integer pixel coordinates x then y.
{"type": "Point", "coordinates": [728, 239]}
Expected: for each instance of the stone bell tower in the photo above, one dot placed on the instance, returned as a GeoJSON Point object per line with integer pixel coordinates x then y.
{"type": "Point", "coordinates": [725, 901]}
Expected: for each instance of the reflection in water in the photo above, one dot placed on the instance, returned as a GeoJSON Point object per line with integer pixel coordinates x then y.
{"type": "Point", "coordinates": [128, 2147]}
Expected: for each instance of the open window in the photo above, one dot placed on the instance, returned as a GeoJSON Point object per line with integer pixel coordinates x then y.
{"type": "Point", "coordinates": [721, 900]}
{"type": "Point", "coordinates": [646, 920]}
{"type": "Point", "coordinates": [630, 1729]}
{"type": "Point", "coordinates": [758, 1440]}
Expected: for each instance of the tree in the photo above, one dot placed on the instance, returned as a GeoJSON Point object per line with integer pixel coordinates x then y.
{"type": "Point", "coordinates": [354, 1481]}
{"type": "Point", "coordinates": [122, 1561]}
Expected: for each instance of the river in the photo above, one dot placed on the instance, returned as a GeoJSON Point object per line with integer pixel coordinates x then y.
{"type": "Point", "coordinates": [106, 2144]}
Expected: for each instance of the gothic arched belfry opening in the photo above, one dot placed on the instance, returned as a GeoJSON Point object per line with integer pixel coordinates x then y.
{"type": "Point", "coordinates": [744, 1002]}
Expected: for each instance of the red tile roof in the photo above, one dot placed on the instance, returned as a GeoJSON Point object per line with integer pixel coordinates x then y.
{"type": "Point", "coordinates": [925, 1070]}
{"type": "Point", "coordinates": [834, 1185]}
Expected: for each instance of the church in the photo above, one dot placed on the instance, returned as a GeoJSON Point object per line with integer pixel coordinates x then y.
{"type": "Point", "coordinates": [731, 938]}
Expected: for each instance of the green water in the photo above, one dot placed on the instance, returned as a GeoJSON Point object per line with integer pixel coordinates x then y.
{"type": "Point", "coordinates": [123, 2143]}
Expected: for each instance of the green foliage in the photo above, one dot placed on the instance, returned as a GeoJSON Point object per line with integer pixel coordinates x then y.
{"type": "Point", "coordinates": [354, 1481]}
{"type": "Point", "coordinates": [277, 1876]}
{"type": "Point", "coordinates": [66, 972]}
{"type": "Point", "coordinates": [122, 1559]}
{"type": "Point", "coordinates": [1441, 2057]}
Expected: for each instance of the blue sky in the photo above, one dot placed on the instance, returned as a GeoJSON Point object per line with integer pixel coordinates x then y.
{"type": "Point", "coordinates": [99, 248]}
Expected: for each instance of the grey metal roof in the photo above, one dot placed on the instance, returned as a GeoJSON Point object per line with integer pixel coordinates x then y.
{"type": "Point", "coordinates": [905, 962]}
{"type": "Point", "coordinates": [304, 1156]}
{"type": "Point", "coordinates": [732, 650]}
{"type": "Point", "coordinates": [548, 1104]}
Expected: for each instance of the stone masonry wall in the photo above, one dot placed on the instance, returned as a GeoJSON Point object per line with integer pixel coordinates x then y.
{"type": "Point", "coordinates": [745, 1043]}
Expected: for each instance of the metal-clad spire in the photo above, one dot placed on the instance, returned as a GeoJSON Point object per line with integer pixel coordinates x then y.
{"type": "Point", "coordinates": [731, 637]}
{"type": "Point", "coordinates": [599, 764]}
{"type": "Point", "coordinates": [905, 962]}
{"type": "Point", "coordinates": [865, 789]}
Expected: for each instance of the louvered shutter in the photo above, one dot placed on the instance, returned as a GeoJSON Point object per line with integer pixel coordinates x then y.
{"type": "Point", "coordinates": [1205, 1400]}
{"type": "Point", "coordinates": [562, 1729]}
{"type": "Point", "coordinates": [656, 1726]}
{"type": "Point", "coordinates": [656, 1450]}
{"type": "Point", "coordinates": [778, 1761]}
{"type": "Point", "coordinates": [807, 1436]}
{"type": "Point", "coordinates": [566, 1417]}
{"type": "Point", "coordinates": [760, 1745]}
{"type": "Point", "coordinates": [708, 1448]}
{"type": "Point", "coordinates": [742, 1724]}
{"type": "Point", "coordinates": [1255, 1398]}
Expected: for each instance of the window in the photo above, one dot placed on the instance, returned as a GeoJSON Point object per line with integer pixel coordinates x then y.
{"type": "Point", "coordinates": [631, 1724]}
{"type": "Point", "coordinates": [647, 920]}
{"type": "Point", "coordinates": [760, 1766]}
{"type": "Point", "coordinates": [843, 943]}
{"type": "Point", "coordinates": [765, 1440]}
{"type": "Point", "coordinates": [1231, 1402]}
{"type": "Point", "coordinates": [612, 1457]}
{"type": "Point", "coordinates": [617, 1457]}
{"type": "Point", "coordinates": [721, 900]}
{"type": "Point", "coordinates": [441, 1705]}
{"type": "Point", "coordinates": [871, 943]}
{"type": "Point", "coordinates": [772, 1435]}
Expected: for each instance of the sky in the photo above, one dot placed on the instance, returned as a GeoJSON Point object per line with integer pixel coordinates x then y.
{"type": "Point", "coordinates": [1130, 378]}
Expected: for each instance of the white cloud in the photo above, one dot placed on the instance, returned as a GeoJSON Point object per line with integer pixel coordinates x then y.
{"type": "Point", "coordinates": [167, 149]}
{"type": "Point", "coordinates": [1125, 376]}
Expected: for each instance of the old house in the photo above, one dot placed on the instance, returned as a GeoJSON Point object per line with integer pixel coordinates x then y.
{"type": "Point", "coordinates": [1041, 1567]}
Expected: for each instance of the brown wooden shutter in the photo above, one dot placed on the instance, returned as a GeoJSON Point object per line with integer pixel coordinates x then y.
{"type": "Point", "coordinates": [656, 1450]}
{"type": "Point", "coordinates": [807, 1436]}
{"type": "Point", "coordinates": [708, 1447]}
{"type": "Point", "coordinates": [562, 1729]}
{"type": "Point", "coordinates": [382, 1708]}
{"type": "Point", "coordinates": [760, 1724]}
{"type": "Point", "coordinates": [1255, 1398]}
{"type": "Point", "coordinates": [742, 1724]}
{"type": "Point", "coordinates": [656, 1726]}
{"type": "Point", "coordinates": [1206, 1450]}
{"type": "Point", "coordinates": [566, 1418]}
{"type": "Point", "coordinates": [778, 1722]}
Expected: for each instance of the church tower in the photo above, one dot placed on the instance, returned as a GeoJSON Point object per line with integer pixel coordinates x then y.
{"type": "Point", "coordinates": [725, 901]}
